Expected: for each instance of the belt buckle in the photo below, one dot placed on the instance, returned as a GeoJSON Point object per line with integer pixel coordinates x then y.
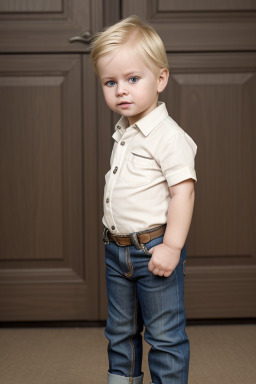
{"type": "Point", "coordinates": [105, 235]}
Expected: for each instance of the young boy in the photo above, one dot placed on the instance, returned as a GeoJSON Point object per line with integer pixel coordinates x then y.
{"type": "Point", "coordinates": [148, 204]}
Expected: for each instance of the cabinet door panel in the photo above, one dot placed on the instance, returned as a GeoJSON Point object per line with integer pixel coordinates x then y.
{"type": "Point", "coordinates": [47, 26]}
{"type": "Point", "coordinates": [199, 25]}
{"type": "Point", "coordinates": [46, 257]}
{"type": "Point", "coordinates": [212, 98]}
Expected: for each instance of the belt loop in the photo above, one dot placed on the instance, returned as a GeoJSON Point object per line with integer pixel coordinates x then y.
{"type": "Point", "coordinates": [135, 240]}
{"type": "Point", "coordinates": [105, 235]}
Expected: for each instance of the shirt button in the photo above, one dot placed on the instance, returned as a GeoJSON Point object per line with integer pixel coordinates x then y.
{"type": "Point", "coordinates": [115, 170]}
{"type": "Point", "coordinates": [123, 143]}
{"type": "Point", "coordinates": [107, 200]}
{"type": "Point", "coordinates": [113, 227]}
{"type": "Point", "coordinates": [118, 127]}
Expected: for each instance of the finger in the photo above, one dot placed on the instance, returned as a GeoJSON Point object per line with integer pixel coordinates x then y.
{"type": "Point", "coordinates": [155, 271]}
{"type": "Point", "coordinates": [151, 266]}
{"type": "Point", "coordinates": [151, 250]}
{"type": "Point", "coordinates": [167, 274]}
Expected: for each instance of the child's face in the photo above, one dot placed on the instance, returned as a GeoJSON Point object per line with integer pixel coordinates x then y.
{"type": "Point", "coordinates": [130, 87]}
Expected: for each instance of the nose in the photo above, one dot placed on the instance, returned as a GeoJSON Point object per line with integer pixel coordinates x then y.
{"type": "Point", "coordinates": [121, 89]}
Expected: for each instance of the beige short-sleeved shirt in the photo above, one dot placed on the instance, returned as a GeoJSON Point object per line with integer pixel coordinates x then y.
{"type": "Point", "coordinates": [147, 158]}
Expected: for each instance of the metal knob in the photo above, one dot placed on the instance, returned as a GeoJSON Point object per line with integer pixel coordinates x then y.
{"type": "Point", "coordinates": [86, 38]}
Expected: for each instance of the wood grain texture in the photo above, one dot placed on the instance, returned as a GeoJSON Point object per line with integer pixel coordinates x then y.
{"type": "Point", "coordinates": [184, 26]}
{"type": "Point", "coordinates": [47, 30]}
{"type": "Point", "coordinates": [90, 186]}
{"type": "Point", "coordinates": [216, 107]}
{"type": "Point", "coordinates": [29, 6]}
{"type": "Point", "coordinates": [205, 5]}
{"type": "Point", "coordinates": [47, 233]}
{"type": "Point", "coordinates": [220, 291]}
{"type": "Point", "coordinates": [30, 203]}
{"type": "Point", "coordinates": [111, 12]}
{"type": "Point", "coordinates": [212, 98]}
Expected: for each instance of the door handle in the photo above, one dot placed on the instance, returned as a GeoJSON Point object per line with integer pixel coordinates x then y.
{"type": "Point", "coordinates": [86, 38]}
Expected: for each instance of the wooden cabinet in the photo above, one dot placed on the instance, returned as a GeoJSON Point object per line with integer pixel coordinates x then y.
{"type": "Point", "coordinates": [55, 143]}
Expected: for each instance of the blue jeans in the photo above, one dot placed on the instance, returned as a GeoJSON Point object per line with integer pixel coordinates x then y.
{"type": "Point", "coordinates": [136, 297]}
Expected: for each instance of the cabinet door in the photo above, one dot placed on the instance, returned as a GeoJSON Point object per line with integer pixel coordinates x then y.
{"type": "Point", "coordinates": [47, 26]}
{"type": "Point", "coordinates": [199, 25]}
{"type": "Point", "coordinates": [48, 221]}
{"type": "Point", "coordinates": [212, 96]}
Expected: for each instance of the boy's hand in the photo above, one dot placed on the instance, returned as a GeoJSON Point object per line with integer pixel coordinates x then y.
{"type": "Point", "coordinates": [164, 260]}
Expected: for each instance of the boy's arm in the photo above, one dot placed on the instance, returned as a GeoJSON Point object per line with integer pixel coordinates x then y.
{"type": "Point", "coordinates": [165, 256]}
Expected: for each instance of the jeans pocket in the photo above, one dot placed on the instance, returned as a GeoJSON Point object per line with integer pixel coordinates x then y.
{"type": "Point", "coordinates": [151, 244]}
{"type": "Point", "coordinates": [145, 250]}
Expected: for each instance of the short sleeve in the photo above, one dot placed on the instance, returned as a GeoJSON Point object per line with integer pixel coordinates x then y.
{"type": "Point", "coordinates": [177, 158]}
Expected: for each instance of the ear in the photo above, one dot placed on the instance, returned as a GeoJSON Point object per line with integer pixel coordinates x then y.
{"type": "Point", "coordinates": [162, 79]}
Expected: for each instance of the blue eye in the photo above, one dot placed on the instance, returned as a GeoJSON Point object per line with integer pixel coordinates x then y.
{"type": "Point", "coordinates": [110, 83]}
{"type": "Point", "coordinates": [134, 79]}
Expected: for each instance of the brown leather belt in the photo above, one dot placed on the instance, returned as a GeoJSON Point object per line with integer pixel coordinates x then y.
{"type": "Point", "coordinates": [136, 238]}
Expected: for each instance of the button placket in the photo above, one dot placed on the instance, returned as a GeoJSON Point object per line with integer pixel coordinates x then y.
{"type": "Point", "coordinates": [118, 161]}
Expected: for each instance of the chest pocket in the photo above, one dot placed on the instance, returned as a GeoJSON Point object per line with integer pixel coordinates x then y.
{"type": "Point", "coordinates": [138, 171]}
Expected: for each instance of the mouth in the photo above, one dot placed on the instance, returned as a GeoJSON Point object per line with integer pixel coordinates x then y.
{"type": "Point", "coordinates": [124, 103]}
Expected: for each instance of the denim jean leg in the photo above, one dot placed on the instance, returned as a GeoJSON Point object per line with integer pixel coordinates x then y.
{"type": "Point", "coordinates": [124, 323]}
{"type": "Point", "coordinates": [162, 304]}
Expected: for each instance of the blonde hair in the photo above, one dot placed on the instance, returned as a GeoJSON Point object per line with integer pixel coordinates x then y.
{"type": "Point", "coordinates": [144, 41]}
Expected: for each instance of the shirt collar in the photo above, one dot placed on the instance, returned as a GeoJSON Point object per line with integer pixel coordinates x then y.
{"type": "Point", "coordinates": [146, 124]}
